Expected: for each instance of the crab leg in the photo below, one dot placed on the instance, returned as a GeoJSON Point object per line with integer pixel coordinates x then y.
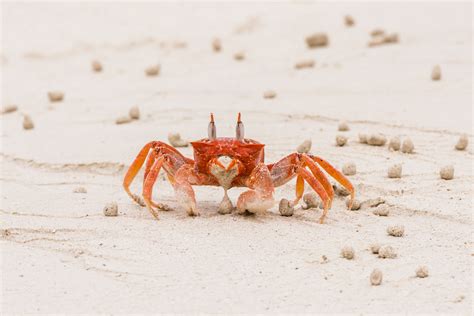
{"type": "Point", "coordinates": [260, 196]}
{"type": "Point", "coordinates": [319, 176]}
{"type": "Point", "coordinates": [184, 191]}
{"type": "Point", "coordinates": [149, 182]}
{"type": "Point", "coordinates": [316, 187]}
{"type": "Point", "coordinates": [333, 172]}
{"type": "Point", "coordinates": [135, 167]}
{"type": "Point", "coordinates": [299, 189]}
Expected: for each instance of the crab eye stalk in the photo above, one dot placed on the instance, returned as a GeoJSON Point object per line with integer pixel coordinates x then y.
{"type": "Point", "coordinates": [211, 129]}
{"type": "Point", "coordinates": [239, 130]}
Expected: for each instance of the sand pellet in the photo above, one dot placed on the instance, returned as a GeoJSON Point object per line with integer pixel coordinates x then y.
{"type": "Point", "coordinates": [383, 39]}
{"type": "Point", "coordinates": [285, 208]}
{"type": "Point", "coordinates": [436, 73]}
{"type": "Point", "coordinates": [309, 63]}
{"type": "Point", "coordinates": [447, 172]}
{"type": "Point", "coordinates": [376, 139]}
{"type": "Point", "coordinates": [387, 252]}
{"type": "Point", "coordinates": [374, 248]}
{"type": "Point", "coordinates": [216, 45]}
{"type": "Point", "coordinates": [123, 120]}
{"type": "Point", "coordinates": [422, 272]}
{"type": "Point", "coordinates": [28, 122]}
{"type": "Point", "coordinates": [462, 142]}
{"type": "Point", "coordinates": [80, 190]}
{"type": "Point", "coordinates": [341, 140]}
{"type": "Point", "coordinates": [381, 210]}
{"type": "Point", "coordinates": [176, 141]}
{"type": "Point", "coordinates": [407, 146]}
{"type": "Point", "coordinates": [347, 252]}
{"type": "Point", "coordinates": [304, 147]}
{"type": "Point", "coordinates": [395, 171]}
{"type": "Point", "coordinates": [349, 20]}
{"type": "Point", "coordinates": [343, 126]}
{"type": "Point", "coordinates": [239, 56]}
{"type": "Point", "coordinates": [376, 277]}
{"type": "Point", "coordinates": [372, 202]}
{"type": "Point", "coordinates": [96, 66]}
{"type": "Point", "coordinates": [225, 207]}
{"type": "Point", "coordinates": [317, 40]}
{"type": "Point", "coordinates": [9, 109]}
{"type": "Point", "coordinates": [363, 138]}
{"type": "Point", "coordinates": [111, 209]}
{"type": "Point", "coordinates": [396, 231]}
{"type": "Point", "coordinates": [311, 200]}
{"type": "Point", "coordinates": [340, 190]}
{"type": "Point", "coordinates": [269, 94]}
{"type": "Point", "coordinates": [377, 32]}
{"type": "Point", "coordinates": [355, 204]}
{"type": "Point", "coordinates": [55, 96]}
{"type": "Point", "coordinates": [394, 144]}
{"type": "Point", "coordinates": [152, 71]}
{"type": "Point", "coordinates": [349, 169]}
{"type": "Point", "coordinates": [134, 113]}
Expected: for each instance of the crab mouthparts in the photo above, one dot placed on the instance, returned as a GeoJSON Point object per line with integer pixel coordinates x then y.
{"type": "Point", "coordinates": [224, 169]}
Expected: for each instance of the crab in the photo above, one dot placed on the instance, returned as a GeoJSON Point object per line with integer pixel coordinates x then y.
{"type": "Point", "coordinates": [230, 162]}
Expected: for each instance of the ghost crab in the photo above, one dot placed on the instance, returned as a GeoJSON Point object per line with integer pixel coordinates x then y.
{"type": "Point", "coordinates": [232, 162]}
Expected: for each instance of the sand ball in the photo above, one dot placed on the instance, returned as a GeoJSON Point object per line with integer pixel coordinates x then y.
{"type": "Point", "coordinates": [396, 231]}
{"type": "Point", "coordinates": [304, 147]}
{"type": "Point", "coordinates": [216, 45]}
{"type": "Point", "coordinates": [395, 171]}
{"type": "Point", "coordinates": [239, 56]}
{"type": "Point", "coordinates": [96, 66]}
{"type": "Point", "coordinates": [381, 210]}
{"type": "Point", "coordinates": [123, 120]}
{"type": "Point", "coordinates": [341, 140]}
{"type": "Point", "coordinates": [408, 146]}
{"type": "Point", "coordinates": [374, 248]}
{"type": "Point", "coordinates": [176, 141]}
{"type": "Point", "coordinates": [340, 190]}
{"type": "Point", "coordinates": [447, 172]}
{"type": "Point", "coordinates": [9, 109]}
{"type": "Point", "coordinates": [134, 113]}
{"type": "Point", "coordinates": [28, 122]}
{"type": "Point", "coordinates": [317, 40]}
{"type": "Point", "coordinates": [355, 204]}
{"type": "Point", "coordinates": [436, 73]}
{"type": "Point", "coordinates": [349, 169]}
{"type": "Point", "coordinates": [394, 144]}
{"type": "Point", "coordinates": [343, 126]}
{"type": "Point", "coordinates": [462, 142]}
{"type": "Point", "coordinates": [55, 96]}
{"type": "Point", "coordinates": [80, 190]}
{"type": "Point", "coordinates": [311, 200]}
{"type": "Point", "coordinates": [376, 139]}
{"type": "Point", "coordinates": [363, 138]}
{"type": "Point", "coordinates": [387, 252]}
{"type": "Point", "coordinates": [422, 272]}
{"type": "Point", "coordinates": [269, 94]}
{"type": "Point", "coordinates": [286, 208]}
{"type": "Point", "coordinates": [308, 63]}
{"type": "Point", "coordinates": [152, 71]}
{"type": "Point", "coordinates": [225, 207]}
{"type": "Point", "coordinates": [349, 20]}
{"type": "Point", "coordinates": [376, 277]}
{"type": "Point", "coordinates": [111, 209]}
{"type": "Point", "coordinates": [347, 252]}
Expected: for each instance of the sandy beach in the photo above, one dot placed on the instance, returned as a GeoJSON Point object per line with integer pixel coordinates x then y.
{"type": "Point", "coordinates": [60, 254]}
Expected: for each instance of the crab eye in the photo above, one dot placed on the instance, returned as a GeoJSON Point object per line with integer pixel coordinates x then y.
{"type": "Point", "coordinates": [211, 129]}
{"type": "Point", "coordinates": [239, 130]}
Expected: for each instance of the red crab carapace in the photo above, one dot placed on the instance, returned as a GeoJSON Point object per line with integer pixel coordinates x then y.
{"type": "Point", "coordinates": [232, 162]}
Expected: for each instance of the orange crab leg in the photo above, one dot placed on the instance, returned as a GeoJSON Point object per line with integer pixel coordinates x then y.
{"type": "Point", "coordinates": [320, 176]}
{"type": "Point", "coordinates": [316, 187]}
{"type": "Point", "coordinates": [135, 167]}
{"type": "Point", "coordinates": [299, 189]}
{"type": "Point", "coordinates": [149, 182]}
{"type": "Point", "coordinates": [260, 196]}
{"type": "Point", "coordinates": [333, 172]}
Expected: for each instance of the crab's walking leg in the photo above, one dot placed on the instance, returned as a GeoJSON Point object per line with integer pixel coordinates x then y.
{"type": "Point", "coordinates": [135, 167]}
{"type": "Point", "coordinates": [319, 176]}
{"type": "Point", "coordinates": [333, 172]}
{"type": "Point", "coordinates": [149, 182]}
{"type": "Point", "coordinates": [299, 189]}
{"type": "Point", "coordinates": [260, 196]}
{"type": "Point", "coordinates": [318, 188]}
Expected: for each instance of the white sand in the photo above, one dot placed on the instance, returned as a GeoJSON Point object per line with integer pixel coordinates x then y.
{"type": "Point", "coordinates": [64, 256]}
